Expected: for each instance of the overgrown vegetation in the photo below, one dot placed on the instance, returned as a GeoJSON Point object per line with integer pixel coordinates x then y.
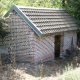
{"type": "Point", "coordinates": [74, 7]}
{"type": "Point", "coordinates": [36, 3]}
{"type": "Point", "coordinates": [70, 74]}
{"type": "Point", "coordinates": [67, 70]}
{"type": "Point", "coordinates": [3, 27]}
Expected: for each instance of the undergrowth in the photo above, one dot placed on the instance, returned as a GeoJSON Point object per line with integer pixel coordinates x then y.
{"type": "Point", "coordinates": [70, 73]}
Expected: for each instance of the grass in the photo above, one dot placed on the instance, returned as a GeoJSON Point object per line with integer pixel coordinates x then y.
{"type": "Point", "coordinates": [70, 73]}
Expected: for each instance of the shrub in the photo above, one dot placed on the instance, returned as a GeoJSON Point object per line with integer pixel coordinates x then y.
{"type": "Point", "coordinates": [3, 27]}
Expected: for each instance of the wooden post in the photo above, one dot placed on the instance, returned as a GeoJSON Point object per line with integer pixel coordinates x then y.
{"type": "Point", "coordinates": [13, 59]}
{"type": "Point", "coordinates": [41, 69]}
{"type": "Point", "coordinates": [9, 72]}
{"type": "Point", "coordinates": [72, 44]}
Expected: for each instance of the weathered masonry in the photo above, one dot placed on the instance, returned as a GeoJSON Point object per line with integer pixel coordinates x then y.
{"type": "Point", "coordinates": [40, 34]}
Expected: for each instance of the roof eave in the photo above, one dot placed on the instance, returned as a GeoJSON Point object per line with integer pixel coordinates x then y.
{"type": "Point", "coordinates": [25, 18]}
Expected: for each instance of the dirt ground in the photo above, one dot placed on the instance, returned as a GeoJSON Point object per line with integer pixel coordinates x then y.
{"type": "Point", "coordinates": [42, 71]}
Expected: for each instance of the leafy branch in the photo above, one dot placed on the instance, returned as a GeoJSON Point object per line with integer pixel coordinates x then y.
{"type": "Point", "coordinates": [3, 27]}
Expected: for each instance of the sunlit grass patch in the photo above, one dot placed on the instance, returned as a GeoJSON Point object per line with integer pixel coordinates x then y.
{"type": "Point", "coordinates": [70, 74]}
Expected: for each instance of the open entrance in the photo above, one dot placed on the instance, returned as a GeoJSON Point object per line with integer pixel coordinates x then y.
{"type": "Point", "coordinates": [57, 45]}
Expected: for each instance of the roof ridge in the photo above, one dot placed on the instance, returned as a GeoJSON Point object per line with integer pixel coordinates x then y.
{"type": "Point", "coordinates": [40, 8]}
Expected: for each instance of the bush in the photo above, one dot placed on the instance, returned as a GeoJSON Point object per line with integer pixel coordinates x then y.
{"type": "Point", "coordinates": [3, 27]}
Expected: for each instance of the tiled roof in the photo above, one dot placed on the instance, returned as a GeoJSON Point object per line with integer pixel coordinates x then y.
{"type": "Point", "coordinates": [49, 20]}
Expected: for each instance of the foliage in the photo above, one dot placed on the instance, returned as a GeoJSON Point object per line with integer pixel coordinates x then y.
{"type": "Point", "coordinates": [3, 27]}
{"type": "Point", "coordinates": [35, 3]}
{"type": "Point", "coordinates": [74, 7]}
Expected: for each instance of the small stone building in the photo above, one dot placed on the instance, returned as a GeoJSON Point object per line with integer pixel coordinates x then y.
{"type": "Point", "coordinates": [40, 34]}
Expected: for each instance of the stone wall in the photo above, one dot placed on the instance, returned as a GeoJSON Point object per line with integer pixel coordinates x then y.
{"type": "Point", "coordinates": [45, 46]}
{"type": "Point", "coordinates": [20, 38]}
{"type": "Point", "coordinates": [68, 39]}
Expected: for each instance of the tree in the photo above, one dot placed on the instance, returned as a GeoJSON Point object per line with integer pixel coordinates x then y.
{"type": "Point", "coordinates": [6, 4]}
{"type": "Point", "coordinates": [3, 25]}
{"type": "Point", "coordinates": [63, 3]}
{"type": "Point", "coordinates": [73, 6]}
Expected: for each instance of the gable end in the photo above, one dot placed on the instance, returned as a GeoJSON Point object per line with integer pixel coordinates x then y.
{"type": "Point", "coordinates": [25, 18]}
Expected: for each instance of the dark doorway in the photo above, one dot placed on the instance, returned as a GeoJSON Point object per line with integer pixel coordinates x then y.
{"type": "Point", "coordinates": [57, 46]}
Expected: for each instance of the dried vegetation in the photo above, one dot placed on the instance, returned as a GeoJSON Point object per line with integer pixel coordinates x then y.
{"type": "Point", "coordinates": [41, 71]}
